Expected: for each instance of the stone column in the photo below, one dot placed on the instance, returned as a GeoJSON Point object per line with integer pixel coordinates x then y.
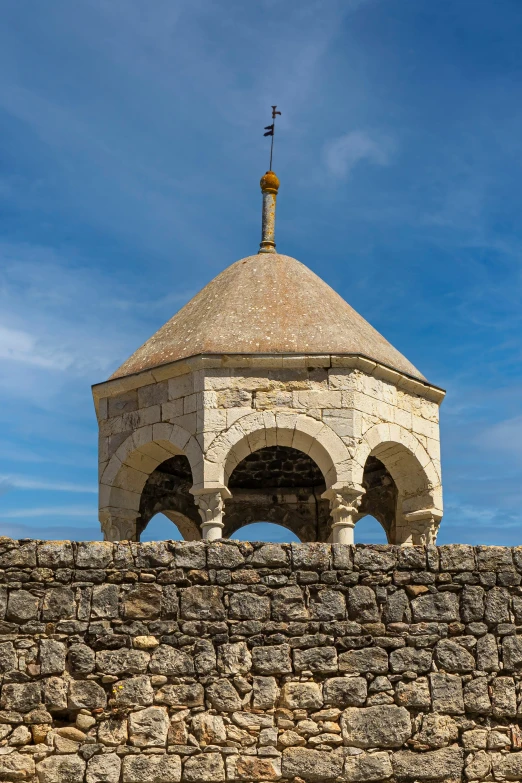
{"type": "Point", "coordinates": [210, 504]}
{"type": "Point", "coordinates": [420, 528]}
{"type": "Point", "coordinates": [118, 524]}
{"type": "Point", "coordinates": [344, 505]}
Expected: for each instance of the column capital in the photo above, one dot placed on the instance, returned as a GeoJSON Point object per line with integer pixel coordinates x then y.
{"type": "Point", "coordinates": [211, 502]}
{"type": "Point", "coordinates": [423, 526]}
{"type": "Point", "coordinates": [118, 524]}
{"type": "Point", "coordinates": [345, 500]}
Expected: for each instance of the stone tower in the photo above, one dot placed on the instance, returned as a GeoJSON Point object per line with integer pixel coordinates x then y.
{"type": "Point", "coordinates": [268, 398]}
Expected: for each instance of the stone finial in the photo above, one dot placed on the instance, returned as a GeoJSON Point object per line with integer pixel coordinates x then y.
{"type": "Point", "coordinates": [269, 187]}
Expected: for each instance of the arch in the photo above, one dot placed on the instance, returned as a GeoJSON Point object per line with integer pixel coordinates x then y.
{"type": "Point", "coordinates": [407, 460]}
{"type": "Point", "coordinates": [415, 474]}
{"type": "Point", "coordinates": [128, 469]}
{"type": "Point", "coordinates": [279, 485]}
{"type": "Point", "coordinates": [167, 492]}
{"type": "Point", "coordinates": [257, 430]}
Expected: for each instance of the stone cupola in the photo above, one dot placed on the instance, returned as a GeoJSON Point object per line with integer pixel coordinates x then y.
{"type": "Point", "coordinates": [268, 398]}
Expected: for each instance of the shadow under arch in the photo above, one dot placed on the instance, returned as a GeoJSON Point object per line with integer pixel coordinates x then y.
{"type": "Point", "coordinates": [416, 477]}
{"type": "Point", "coordinates": [167, 491]}
{"type": "Point", "coordinates": [280, 485]}
{"type": "Point", "coordinates": [128, 470]}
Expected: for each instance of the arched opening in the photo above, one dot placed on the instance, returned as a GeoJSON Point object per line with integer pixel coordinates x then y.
{"type": "Point", "coordinates": [265, 531]}
{"type": "Point", "coordinates": [161, 528]}
{"type": "Point", "coordinates": [415, 481]}
{"type": "Point", "coordinates": [167, 492]}
{"type": "Point", "coordinates": [369, 530]}
{"type": "Point", "coordinates": [281, 485]}
{"type": "Point", "coordinates": [379, 500]}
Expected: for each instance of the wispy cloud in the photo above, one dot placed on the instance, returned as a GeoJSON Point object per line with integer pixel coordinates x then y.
{"type": "Point", "coordinates": [345, 152]}
{"type": "Point", "coordinates": [505, 436]}
{"type": "Point", "coordinates": [33, 512]}
{"type": "Point", "coordinates": [24, 482]}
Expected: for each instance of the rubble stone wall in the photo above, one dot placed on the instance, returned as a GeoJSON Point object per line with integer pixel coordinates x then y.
{"type": "Point", "coordinates": [208, 662]}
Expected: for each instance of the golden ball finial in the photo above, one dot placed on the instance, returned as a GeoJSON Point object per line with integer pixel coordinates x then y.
{"type": "Point", "coordinates": [270, 182]}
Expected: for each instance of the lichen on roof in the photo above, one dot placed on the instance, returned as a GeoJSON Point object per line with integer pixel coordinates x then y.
{"type": "Point", "coordinates": [266, 304]}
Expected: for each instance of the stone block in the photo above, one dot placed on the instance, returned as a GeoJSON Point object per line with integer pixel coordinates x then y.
{"type": "Point", "coordinates": [85, 694]}
{"type": "Point", "coordinates": [315, 766]}
{"type": "Point", "coordinates": [367, 767]}
{"type": "Point", "coordinates": [122, 661]}
{"type": "Point", "coordinates": [436, 607]}
{"type": "Point", "coordinates": [223, 696]}
{"type": "Point", "coordinates": [202, 603]}
{"type": "Point", "coordinates": [410, 659]}
{"type": "Point", "coordinates": [316, 659]}
{"type": "Point", "coordinates": [362, 606]}
{"type": "Point", "coordinates": [453, 657]}
{"type": "Point", "coordinates": [22, 696]}
{"type": "Point", "coordinates": [476, 696]}
{"type": "Point", "coordinates": [328, 605]}
{"type": "Point", "coordinates": [302, 696]}
{"type": "Point", "coordinates": [253, 768]}
{"type": "Point", "coordinates": [143, 602]}
{"type": "Point", "coordinates": [68, 768]}
{"type": "Point", "coordinates": [22, 606]}
{"type": "Point", "coordinates": [272, 660]}
{"type": "Point", "coordinates": [52, 657]}
{"type": "Point", "coordinates": [444, 764]}
{"type": "Point", "coordinates": [345, 691]}
{"type": "Point", "coordinates": [265, 693]}
{"type": "Point", "coordinates": [234, 658]}
{"type": "Point", "coordinates": [288, 604]}
{"type": "Point", "coordinates": [181, 695]}
{"type": "Point", "coordinates": [93, 554]}
{"type": "Point", "coordinates": [171, 662]}
{"type": "Point", "coordinates": [104, 768]}
{"type": "Point", "coordinates": [149, 727]}
{"type": "Point", "coordinates": [383, 726]}
{"type": "Point", "coordinates": [366, 660]}
{"type": "Point", "coordinates": [446, 693]}
{"type": "Point", "coordinates": [248, 606]}
{"type": "Point", "coordinates": [204, 768]}
{"type": "Point", "coordinates": [55, 554]}
{"type": "Point", "coordinates": [7, 657]}
{"type": "Point", "coordinates": [134, 691]}
{"type": "Point", "coordinates": [209, 729]}
{"type": "Point", "coordinates": [151, 769]}
{"type": "Point", "coordinates": [414, 695]}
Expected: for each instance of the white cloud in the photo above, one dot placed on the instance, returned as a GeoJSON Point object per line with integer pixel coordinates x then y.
{"type": "Point", "coordinates": [505, 436]}
{"type": "Point", "coordinates": [19, 346]}
{"type": "Point", "coordinates": [50, 511]}
{"type": "Point", "coordinates": [345, 152]}
{"type": "Point", "coordinates": [24, 482]}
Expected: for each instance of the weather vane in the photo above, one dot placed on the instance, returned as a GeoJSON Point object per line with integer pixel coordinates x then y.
{"type": "Point", "coordinates": [270, 132]}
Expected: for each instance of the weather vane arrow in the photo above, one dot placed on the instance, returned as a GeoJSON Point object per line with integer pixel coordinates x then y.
{"type": "Point", "coordinates": [270, 129]}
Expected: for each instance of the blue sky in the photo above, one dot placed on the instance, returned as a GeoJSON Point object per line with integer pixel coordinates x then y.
{"type": "Point", "coordinates": [132, 146]}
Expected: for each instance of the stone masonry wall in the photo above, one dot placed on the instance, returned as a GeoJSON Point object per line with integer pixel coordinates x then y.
{"type": "Point", "coordinates": [202, 663]}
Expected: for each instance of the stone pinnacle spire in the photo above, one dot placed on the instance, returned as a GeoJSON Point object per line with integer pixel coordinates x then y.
{"type": "Point", "coordinates": [269, 187]}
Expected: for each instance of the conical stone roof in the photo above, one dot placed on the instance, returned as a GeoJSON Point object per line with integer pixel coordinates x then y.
{"type": "Point", "coordinates": [266, 304]}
